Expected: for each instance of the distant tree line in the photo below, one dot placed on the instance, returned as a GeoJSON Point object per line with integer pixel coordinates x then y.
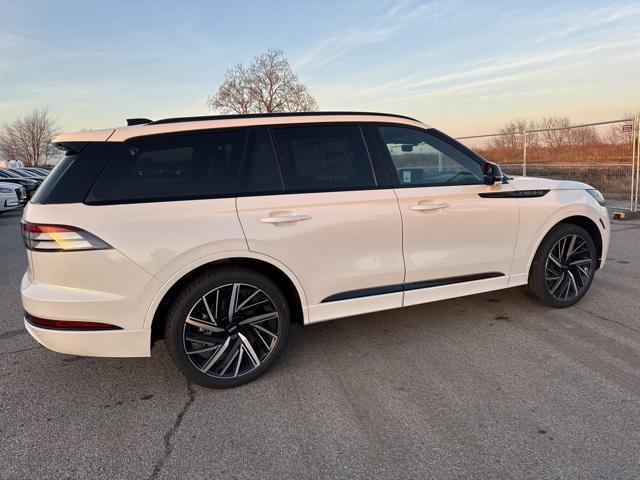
{"type": "Point", "coordinates": [560, 132]}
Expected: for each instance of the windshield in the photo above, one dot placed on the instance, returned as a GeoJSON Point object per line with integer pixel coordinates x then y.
{"type": "Point", "coordinates": [9, 173]}
{"type": "Point", "coordinates": [20, 173]}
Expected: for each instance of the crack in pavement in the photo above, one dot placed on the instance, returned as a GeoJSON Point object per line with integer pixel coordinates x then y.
{"type": "Point", "coordinates": [607, 319]}
{"type": "Point", "coordinates": [22, 350]}
{"type": "Point", "coordinates": [12, 333]}
{"type": "Point", "coordinates": [168, 446]}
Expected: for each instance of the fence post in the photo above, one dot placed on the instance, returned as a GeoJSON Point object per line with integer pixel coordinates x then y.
{"type": "Point", "coordinates": [633, 164]}
{"type": "Point", "coordinates": [636, 151]}
{"type": "Point", "coordinates": [524, 153]}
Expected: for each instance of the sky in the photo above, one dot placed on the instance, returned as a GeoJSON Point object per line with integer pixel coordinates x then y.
{"type": "Point", "coordinates": [466, 67]}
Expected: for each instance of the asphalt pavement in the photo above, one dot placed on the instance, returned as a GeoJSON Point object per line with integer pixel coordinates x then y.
{"type": "Point", "coordinates": [485, 386]}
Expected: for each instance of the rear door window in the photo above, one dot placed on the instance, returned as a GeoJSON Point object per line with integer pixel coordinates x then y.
{"type": "Point", "coordinates": [172, 167]}
{"type": "Point", "coordinates": [323, 158]}
{"type": "Point", "coordinates": [261, 172]}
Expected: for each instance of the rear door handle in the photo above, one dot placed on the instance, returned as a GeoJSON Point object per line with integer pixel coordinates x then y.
{"type": "Point", "coordinates": [294, 217]}
{"type": "Point", "coordinates": [428, 206]}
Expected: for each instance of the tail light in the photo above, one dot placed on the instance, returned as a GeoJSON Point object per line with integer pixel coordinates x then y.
{"type": "Point", "coordinates": [68, 324]}
{"type": "Point", "coordinates": [59, 238]}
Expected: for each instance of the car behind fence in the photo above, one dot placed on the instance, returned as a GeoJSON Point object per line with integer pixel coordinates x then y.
{"type": "Point", "coordinates": [602, 154]}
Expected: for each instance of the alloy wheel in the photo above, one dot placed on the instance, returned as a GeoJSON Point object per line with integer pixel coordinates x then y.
{"type": "Point", "coordinates": [231, 330]}
{"type": "Point", "coordinates": [568, 268]}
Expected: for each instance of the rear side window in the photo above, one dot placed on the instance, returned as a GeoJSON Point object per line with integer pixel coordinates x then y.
{"type": "Point", "coordinates": [72, 177]}
{"type": "Point", "coordinates": [172, 167]}
{"type": "Point", "coordinates": [261, 170]}
{"type": "Point", "coordinates": [317, 158]}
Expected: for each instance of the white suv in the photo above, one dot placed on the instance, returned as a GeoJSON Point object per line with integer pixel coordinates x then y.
{"type": "Point", "coordinates": [218, 232]}
{"type": "Point", "coordinates": [11, 196]}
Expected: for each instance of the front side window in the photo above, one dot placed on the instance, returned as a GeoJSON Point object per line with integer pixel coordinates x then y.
{"type": "Point", "coordinates": [172, 167]}
{"type": "Point", "coordinates": [323, 157]}
{"type": "Point", "coordinates": [420, 158]}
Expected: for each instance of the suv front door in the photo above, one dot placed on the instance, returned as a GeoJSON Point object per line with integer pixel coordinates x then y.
{"type": "Point", "coordinates": [455, 241]}
{"type": "Point", "coordinates": [309, 199]}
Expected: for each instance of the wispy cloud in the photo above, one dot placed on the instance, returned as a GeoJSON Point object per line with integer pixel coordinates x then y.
{"type": "Point", "coordinates": [399, 16]}
{"type": "Point", "coordinates": [588, 19]}
{"type": "Point", "coordinates": [491, 72]}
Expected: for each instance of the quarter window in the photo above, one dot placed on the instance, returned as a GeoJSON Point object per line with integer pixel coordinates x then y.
{"type": "Point", "coordinates": [420, 158]}
{"type": "Point", "coordinates": [317, 158]}
{"type": "Point", "coordinates": [172, 167]}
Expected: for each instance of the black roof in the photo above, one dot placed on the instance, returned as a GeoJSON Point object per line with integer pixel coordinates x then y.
{"type": "Point", "coordinates": [266, 115]}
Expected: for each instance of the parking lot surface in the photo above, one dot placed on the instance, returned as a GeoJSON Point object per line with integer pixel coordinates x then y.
{"type": "Point", "coordinates": [485, 386]}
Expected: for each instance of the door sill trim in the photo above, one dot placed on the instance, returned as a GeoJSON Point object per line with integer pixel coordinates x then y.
{"type": "Point", "coordinates": [404, 287]}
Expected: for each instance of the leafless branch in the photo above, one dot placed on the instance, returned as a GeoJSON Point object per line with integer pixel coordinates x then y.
{"type": "Point", "coordinates": [268, 85]}
{"type": "Point", "coordinates": [28, 138]}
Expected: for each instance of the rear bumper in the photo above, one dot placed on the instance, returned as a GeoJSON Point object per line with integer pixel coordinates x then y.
{"type": "Point", "coordinates": [103, 343]}
{"type": "Point", "coordinates": [61, 303]}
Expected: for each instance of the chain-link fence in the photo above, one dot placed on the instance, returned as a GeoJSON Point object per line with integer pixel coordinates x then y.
{"type": "Point", "coordinates": [603, 154]}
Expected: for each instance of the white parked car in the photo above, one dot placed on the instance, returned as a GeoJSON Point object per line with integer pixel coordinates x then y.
{"type": "Point", "coordinates": [11, 196]}
{"type": "Point", "coordinates": [216, 233]}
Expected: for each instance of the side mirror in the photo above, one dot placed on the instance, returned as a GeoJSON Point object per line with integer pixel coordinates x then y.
{"type": "Point", "coordinates": [492, 173]}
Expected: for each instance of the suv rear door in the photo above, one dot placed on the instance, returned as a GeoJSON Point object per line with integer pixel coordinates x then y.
{"type": "Point", "coordinates": [310, 199]}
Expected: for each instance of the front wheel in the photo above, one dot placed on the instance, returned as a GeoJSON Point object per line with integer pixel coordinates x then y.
{"type": "Point", "coordinates": [564, 266]}
{"type": "Point", "coordinates": [227, 327]}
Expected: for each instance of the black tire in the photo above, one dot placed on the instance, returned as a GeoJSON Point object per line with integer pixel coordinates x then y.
{"type": "Point", "coordinates": [568, 281]}
{"type": "Point", "coordinates": [191, 301]}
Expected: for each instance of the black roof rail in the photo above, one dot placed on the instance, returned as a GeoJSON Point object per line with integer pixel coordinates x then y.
{"type": "Point", "coordinates": [269, 115]}
{"type": "Point", "coordinates": [137, 121]}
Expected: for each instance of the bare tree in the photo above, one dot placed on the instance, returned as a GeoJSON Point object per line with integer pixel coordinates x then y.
{"type": "Point", "coordinates": [584, 136]}
{"type": "Point", "coordinates": [558, 136]}
{"type": "Point", "coordinates": [268, 85]}
{"type": "Point", "coordinates": [28, 138]}
{"type": "Point", "coordinates": [512, 135]}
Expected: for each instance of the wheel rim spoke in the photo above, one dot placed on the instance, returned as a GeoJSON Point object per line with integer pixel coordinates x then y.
{"type": "Point", "coordinates": [231, 330]}
{"type": "Point", "coordinates": [230, 358]}
{"type": "Point", "coordinates": [557, 284]}
{"type": "Point", "coordinates": [247, 300]}
{"type": "Point", "coordinates": [555, 260]}
{"type": "Point", "coordinates": [202, 350]}
{"type": "Point", "coordinates": [259, 318]}
{"type": "Point", "coordinates": [212, 318]}
{"type": "Point", "coordinates": [249, 349]}
{"type": "Point", "coordinates": [215, 357]}
{"type": "Point", "coordinates": [204, 325]}
{"type": "Point", "coordinates": [580, 262]}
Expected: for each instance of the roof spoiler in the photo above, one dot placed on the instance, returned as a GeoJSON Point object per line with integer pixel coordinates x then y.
{"type": "Point", "coordinates": [137, 121]}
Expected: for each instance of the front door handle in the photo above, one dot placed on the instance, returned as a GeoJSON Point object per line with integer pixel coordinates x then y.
{"type": "Point", "coordinates": [428, 206]}
{"type": "Point", "coordinates": [294, 217]}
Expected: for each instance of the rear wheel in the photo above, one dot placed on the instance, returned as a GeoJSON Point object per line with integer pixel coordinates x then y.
{"type": "Point", "coordinates": [564, 266]}
{"type": "Point", "coordinates": [227, 327]}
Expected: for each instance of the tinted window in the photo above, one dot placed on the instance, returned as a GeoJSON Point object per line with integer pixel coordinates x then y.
{"type": "Point", "coordinates": [172, 168]}
{"type": "Point", "coordinates": [420, 158]}
{"type": "Point", "coordinates": [72, 177]}
{"type": "Point", "coordinates": [262, 173]}
{"type": "Point", "coordinates": [315, 158]}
